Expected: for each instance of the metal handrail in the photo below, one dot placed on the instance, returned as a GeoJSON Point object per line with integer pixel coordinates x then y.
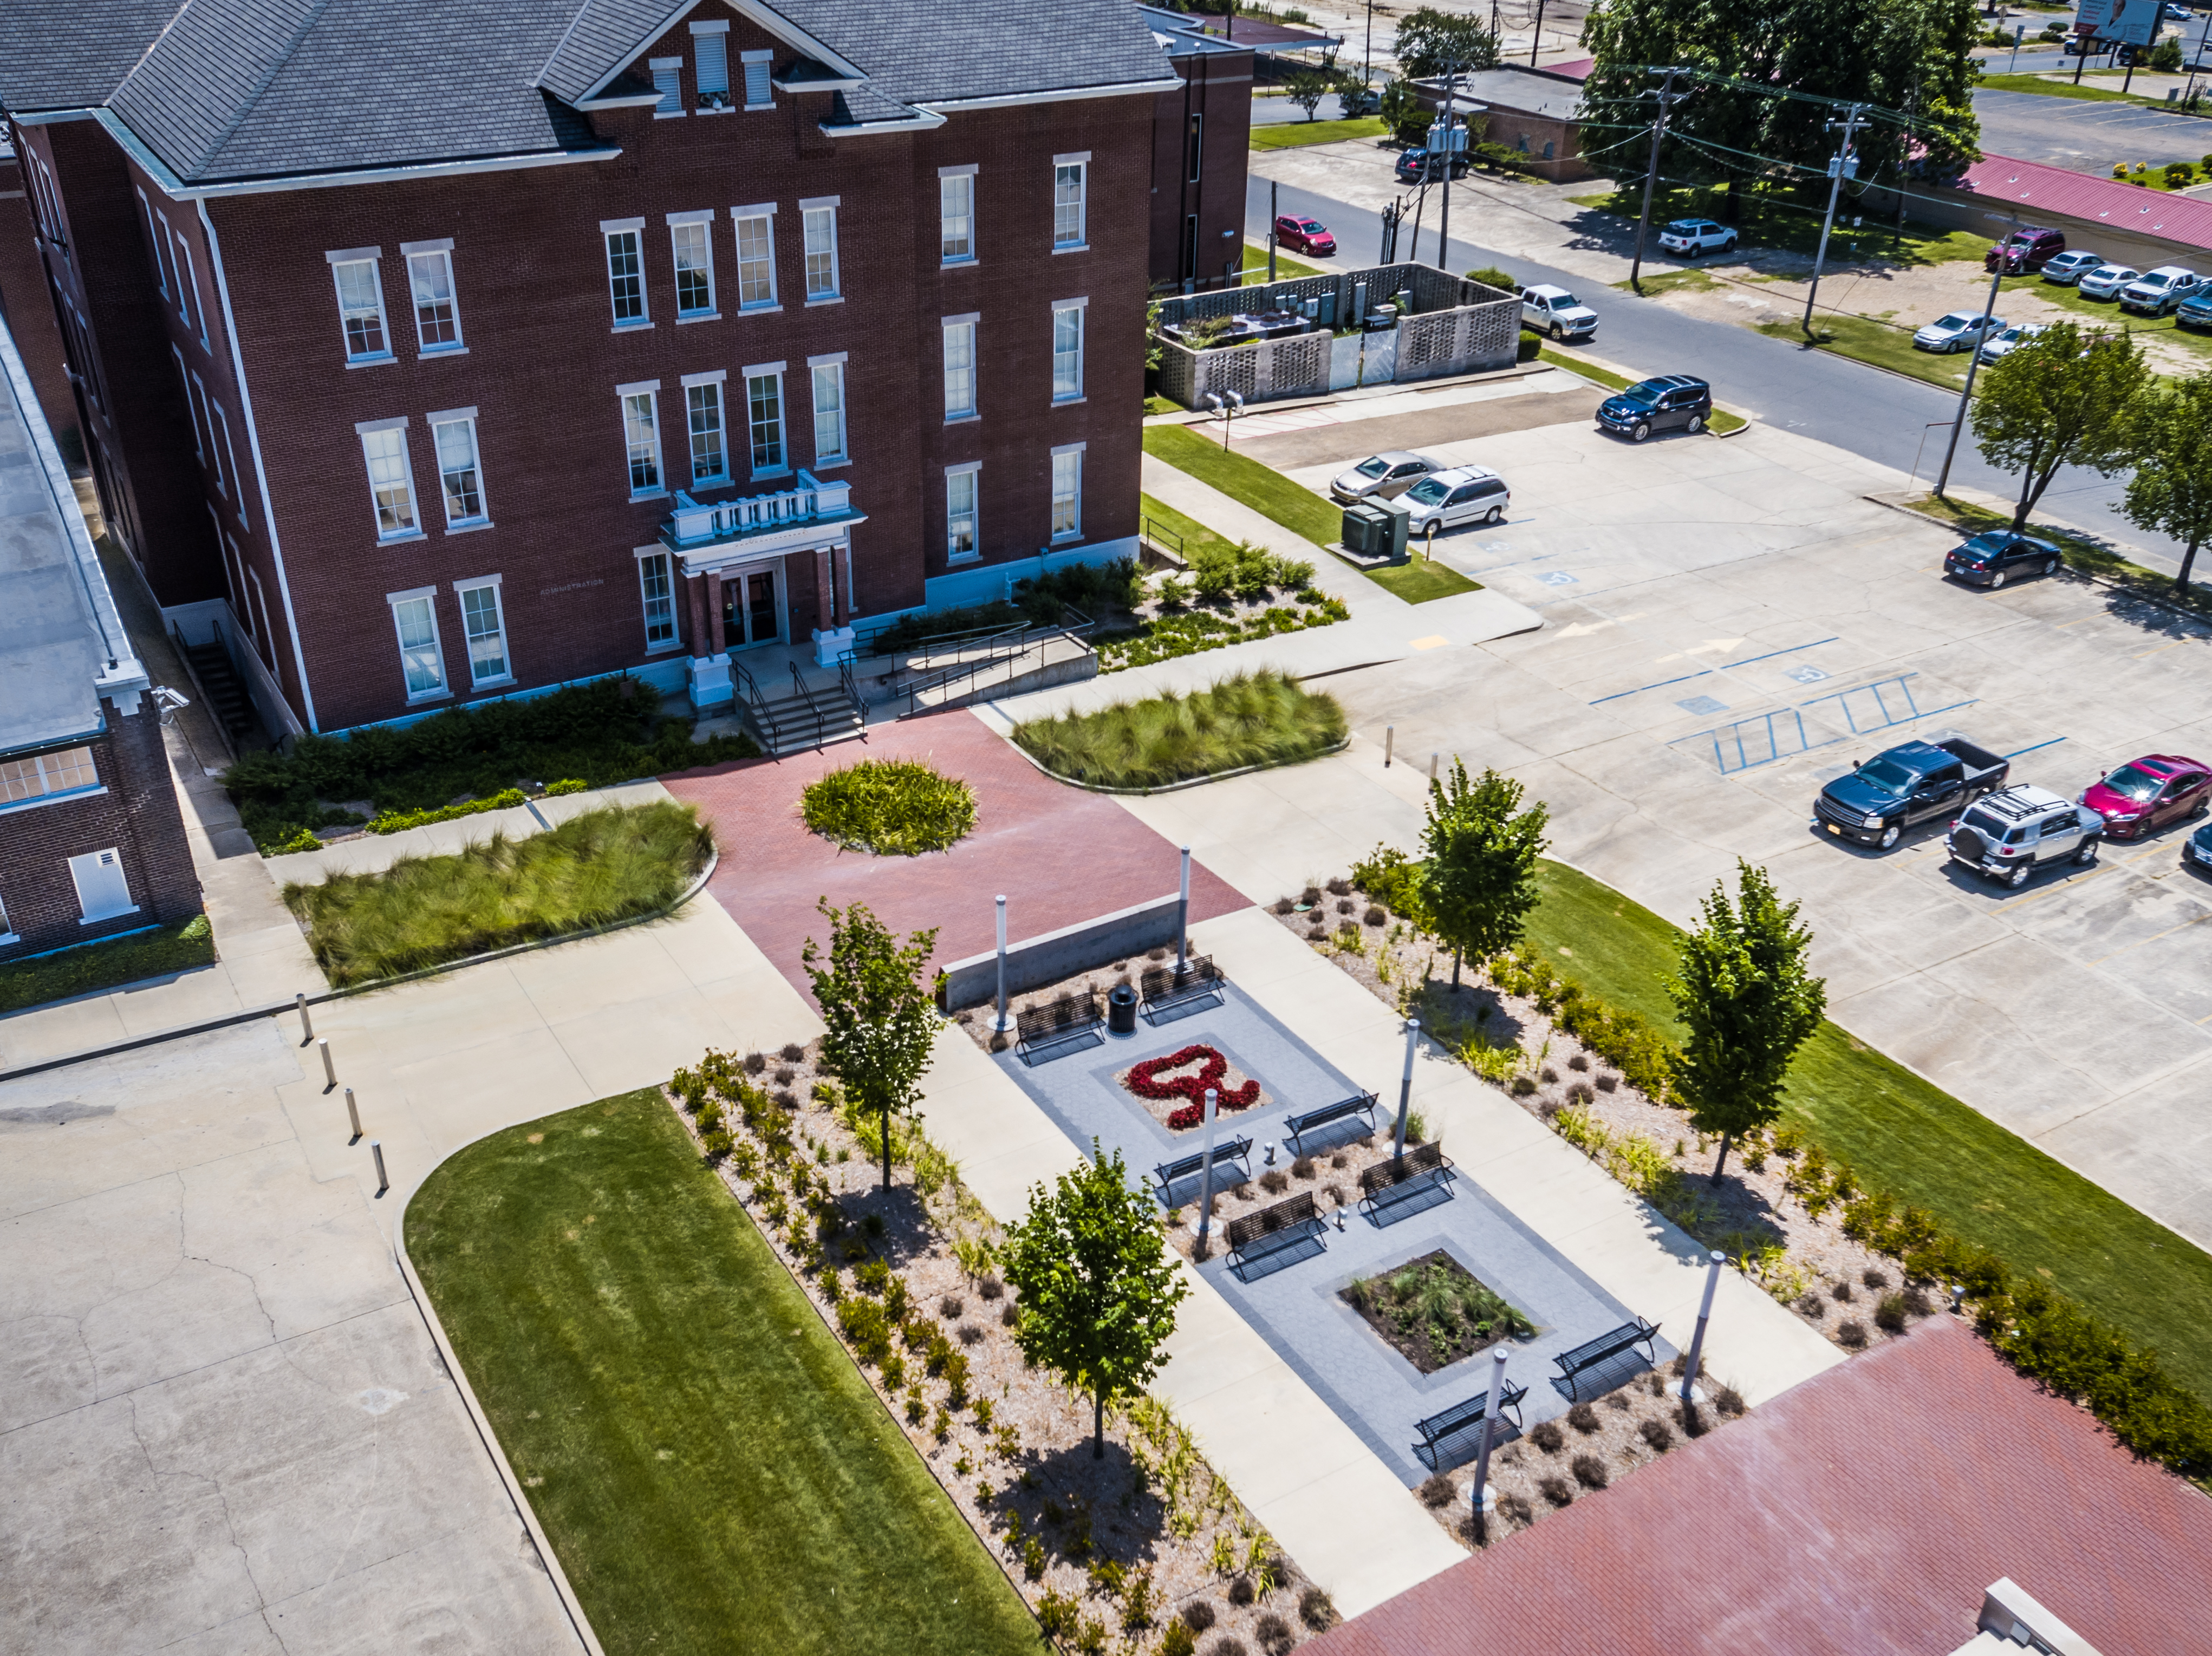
{"type": "Point", "coordinates": [1074, 624]}
{"type": "Point", "coordinates": [740, 676]}
{"type": "Point", "coordinates": [864, 642]}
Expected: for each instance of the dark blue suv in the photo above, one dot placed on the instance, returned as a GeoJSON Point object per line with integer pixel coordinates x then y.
{"type": "Point", "coordinates": [1671, 402]}
{"type": "Point", "coordinates": [2194, 313]}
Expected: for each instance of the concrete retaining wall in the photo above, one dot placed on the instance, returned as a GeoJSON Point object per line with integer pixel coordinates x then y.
{"type": "Point", "coordinates": [1057, 955]}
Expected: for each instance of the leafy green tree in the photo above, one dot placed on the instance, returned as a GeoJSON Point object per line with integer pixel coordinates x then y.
{"type": "Point", "coordinates": [880, 1019]}
{"type": "Point", "coordinates": [1350, 94]}
{"type": "Point", "coordinates": [1306, 88]}
{"type": "Point", "coordinates": [1098, 1287]}
{"type": "Point", "coordinates": [2172, 490]}
{"type": "Point", "coordinates": [1748, 1002]}
{"type": "Point", "coordinates": [2060, 399]}
{"type": "Point", "coordinates": [1431, 43]}
{"type": "Point", "coordinates": [1478, 880]}
{"type": "Point", "coordinates": [1403, 112]}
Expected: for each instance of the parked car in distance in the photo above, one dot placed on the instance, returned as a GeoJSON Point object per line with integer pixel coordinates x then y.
{"type": "Point", "coordinates": [2067, 269]}
{"type": "Point", "coordinates": [2157, 292]}
{"type": "Point", "coordinates": [1558, 313]}
{"type": "Point", "coordinates": [2196, 312]}
{"type": "Point", "coordinates": [1669, 402]}
{"type": "Point", "coordinates": [2197, 848]}
{"type": "Point", "coordinates": [2154, 791]}
{"type": "Point", "coordinates": [2004, 344]}
{"type": "Point", "coordinates": [2105, 280]}
{"type": "Point", "coordinates": [1994, 556]}
{"type": "Point", "coordinates": [1304, 235]}
{"type": "Point", "coordinates": [1693, 237]}
{"type": "Point", "coordinates": [1882, 797]}
{"type": "Point", "coordinates": [1355, 101]}
{"type": "Point", "coordinates": [1464, 494]}
{"type": "Point", "coordinates": [2024, 250]}
{"type": "Point", "coordinates": [1382, 476]}
{"type": "Point", "coordinates": [1417, 164]}
{"type": "Point", "coordinates": [1960, 331]}
{"type": "Point", "coordinates": [2008, 835]}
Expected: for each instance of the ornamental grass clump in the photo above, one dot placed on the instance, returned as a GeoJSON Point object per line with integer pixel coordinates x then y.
{"type": "Point", "coordinates": [891, 807]}
{"type": "Point", "coordinates": [593, 870]}
{"type": "Point", "coordinates": [1252, 719]}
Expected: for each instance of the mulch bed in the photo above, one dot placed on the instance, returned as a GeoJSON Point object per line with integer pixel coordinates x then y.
{"type": "Point", "coordinates": [1431, 1343]}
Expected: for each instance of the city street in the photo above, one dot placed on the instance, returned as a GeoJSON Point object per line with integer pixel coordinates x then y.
{"type": "Point", "coordinates": [2085, 136]}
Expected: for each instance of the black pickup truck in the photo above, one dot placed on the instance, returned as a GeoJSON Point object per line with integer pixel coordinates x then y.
{"type": "Point", "coordinates": [1882, 797]}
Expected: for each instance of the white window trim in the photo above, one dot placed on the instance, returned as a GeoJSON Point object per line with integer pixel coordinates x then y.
{"type": "Point", "coordinates": [610, 227]}
{"type": "Point", "coordinates": [1082, 351]}
{"type": "Point", "coordinates": [744, 85]}
{"type": "Point", "coordinates": [966, 170]}
{"type": "Point", "coordinates": [192, 413]}
{"type": "Point", "coordinates": [105, 915]}
{"type": "Point", "coordinates": [971, 172]}
{"type": "Point", "coordinates": [163, 250]}
{"type": "Point", "coordinates": [675, 638]}
{"type": "Point", "coordinates": [1082, 243]}
{"type": "Point", "coordinates": [712, 377]}
{"type": "Point", "coordinates": [441, 245]}
{"type": "Point", "coordinates": [729, 93]}
{"type": "Point", "coordinates": [373, 257]}
{"type": "Point", "coordinates": [966, 468]}
{"type": "Point", "coordinates": [476, 584]}
{"type": "Point", "coordinates": [727, 477]}
{"type": "Point", "coordinates": [445, 689]}
{"type": "Point", "coordinates": [972, 320]}
{"type": "Point", "coordinates": [209, 460]}
{"type": "Point", "coordinates": [719, 27]}
{"type": "Point", "coordinates": [460, 417]}
{"type": "Point", "coordinates": [409, 251]}
{"type": "Point", "coordinates": [188, 280]}
{"type": "Point", "coordinates": [764, 370]}
{"type": "Point", "coordinates": [843, 454]}
{"type": "Point", "coordinates": [774, 300]}
{"type": "Point", "coordinates": [363, 428]}
{"type": "Point", "coordinates": [837, 294]}
{"type": "Point", "coordinates": [1076, 533]}
{"type": "Point", "coordinates": [222, 429]}
{"type": "Point", "coordinates": [714, 312]}
{"type": "Point", "coordinates": [160, 276]}
{"type": "Point", "coordinates": [675, 63]}
{"type": "Point", "coordinates": [622, 394]}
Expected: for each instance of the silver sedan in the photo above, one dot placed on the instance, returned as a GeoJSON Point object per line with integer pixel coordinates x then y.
{"type": "Point", "coordinates": [1961, 330]}
{"type": "Point", "coordinates": [1382, 476]}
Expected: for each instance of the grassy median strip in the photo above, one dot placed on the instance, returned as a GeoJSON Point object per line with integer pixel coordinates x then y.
{"type": "Point", "coordinates": [713, 1472]}
{"type": "Point", "coordinates": [1256, 265]}
{"type": "Point", "coordinates": [1904, 1135]}
{"type": "Point", "coordinates": [1885, 345]}
{"type": "Point", "coordinates": [90, 968]}
{"type": "Point", "coordinates": [595, 869]}
{"type": "Point", "coordinates": [1295, 135]}
{"type": "Point", "coordinates": [1250, 719]}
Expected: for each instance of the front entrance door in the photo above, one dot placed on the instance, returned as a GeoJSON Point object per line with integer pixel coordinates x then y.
{"type": "Point", "coordinates": [752, 609]}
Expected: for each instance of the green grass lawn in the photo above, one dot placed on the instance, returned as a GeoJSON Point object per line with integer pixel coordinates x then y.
{"type": "Point", "coordinates": [713, 1470]}
{"type": "Point", "coordinates": [1913, 1139]}
{"type": "Point", "coordinates": [1864, 340]}
{"type": "Point", "coordinates": [1668, 282]}
{"type": "Point", "coordinates": [89, 967]}
{"type": "Point", "coordinates": [592, 870]}
{"type": "Point", "coordinates": [1250, 718]}
{"type": "Point", "coordinates": [1722, 421]}
{"type": "Point", "coordinates": [1158, 404]}
{"type": "Point", "coordinates": [1786, 223]}
{"type": "Point", "coordinates": [1185, 535]}
{"type": "Point", "coordinates": [2106, 313]}
{"type": "Point", "coordinates": [1256, 265]}
{"type": "Point", "coordinates": [2085, 556]}
{"type": "Point", "coordinates": [1295, 135]}
{"type": "Point", "coordinates": [2037, 84]}
{"type": "Point", "coordinates": [1420, 580]}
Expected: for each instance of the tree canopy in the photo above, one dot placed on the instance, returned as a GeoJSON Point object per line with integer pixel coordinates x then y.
{"type": "Point", "coordinates": [1748, 1002]}
{"type": "Point", "coordinates": [1098, 1288]}
{"type": "Point", "coordinates": [1478, 881]}
{"type": "Point", "coordinates": [1431, 43]}
{"type": "Point", "coordinates": [1306, 88]}
{"type": "Point", "coordinates": [879, 1020]}
{"type": "Point", "coordinates": [2172, 443]}
{"type": "Point", "coordinates": [2061, 399]}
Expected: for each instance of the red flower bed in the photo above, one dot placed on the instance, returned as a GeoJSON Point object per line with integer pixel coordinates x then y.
{"type": "Point", "coordinates": [1143, 1080]}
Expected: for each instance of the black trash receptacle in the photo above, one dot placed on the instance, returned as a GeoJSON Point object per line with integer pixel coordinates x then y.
{"type": "Point", "coordinates": [1121, 1011]}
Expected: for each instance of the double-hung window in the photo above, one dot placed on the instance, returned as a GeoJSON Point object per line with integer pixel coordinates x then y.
{"type": "Point", "coordinates": [819, 220]}
{"type": "Point", "coordinates": [702, 412]}
{"type": "Point", "coordinates": [154, 236]}
{"type": "Point", "coordinates": [421, 663]}
{"type": "Point", "coordinates": [361, 304]}
{"type": "Point", "coordinates": [626, 270]}
{"type": "Point", "coordinates": [486, 630]}
{"type": "Point", "coordinates": [960, 367]}
{"type": "Point", "coordinates": [710, 66]}
{"type": "Point", "coordinates": [764, 417]}
{"type": "Point", "coordinates": [829, 374]}
{"type": "Point", "coordinates": [1193, 148]}
{"type": "Point", "coordinates": [1067, 492]}
{"type": "Point", "coordinates": [69, 771]}
{"type": "Point", "coordinates": [955, 215]}
{"type": "Point", "coordinates": [188, 291]}
{"type": "Point", "coordinates": [692, 235]}
{"type": "Point", "coordinates": [460, 472]}
{"type": "Point", "coordinates": [658, 589]}
{"type": "Point", "coordinates": [430, 284]}
{"type": "Point", "coordinates": [756, 257]}
{"type": "Point", "coordinates": [221, 429]}
{"type": "Point", "coordinates": [960, 486]}
{"type": "Point", "coordinates": [641, 435]}
{"type": "Point", "coordinates": [759, 67]}
{"type": "Point", "coordinates": [668, 82]}
{"type": "Point", "coordinates": [390, 479]}
{"type": "Point", "coordinates": [192, 411]}
{"type": "Point", "coordinates": [1067, 350]}
{"type": "Point", "coordinates": [1069, 222]}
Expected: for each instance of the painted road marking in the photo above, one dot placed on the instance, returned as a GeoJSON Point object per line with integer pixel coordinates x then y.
{"type": "Point", "coordinates": [1806, 675]}
{"type": "Point", "coordinates": [1702, 705]}
{"type": "Point", "coordinates": [1435, 640]}
{"type": "Point", "coordinates": [1726, 666]}
{"type": "Point", "coordinates": [1557, 578]}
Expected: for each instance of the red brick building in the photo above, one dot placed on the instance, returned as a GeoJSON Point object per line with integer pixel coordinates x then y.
{"type": "Point", "coordinates": [568, 338]}
{"type": "Point", "coordinates": [1201, 138]}
{"type": "Point", "coordinates": [23, 283]}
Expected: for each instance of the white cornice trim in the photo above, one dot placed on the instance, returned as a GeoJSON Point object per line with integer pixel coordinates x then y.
{"type": "Point", "coordinates": [629, 57]}
{"type": "Point", "coordinates": [1065, 94]}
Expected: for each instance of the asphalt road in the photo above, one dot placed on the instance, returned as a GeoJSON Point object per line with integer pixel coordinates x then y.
{"type": "Point", "coordinates": [1881, 417]}
{"type": "Point", "coordinates": [2086, 137]}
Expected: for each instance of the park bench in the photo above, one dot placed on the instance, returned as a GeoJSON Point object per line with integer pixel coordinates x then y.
{"type": "Point", "coordinates": [1462, 1418]}
{"type": "Point", "coordinates": [1077, 1013]}
{"type": "Point", "coordinates": [1233, 1150]}
{"type": "Point", "coordinates": [1253, 1236]}
{"type": "Point", "coordinates": [1362, 1107]}
{"type": "Point", "coordinates": [1164, 986]}
{"type": "Point", "coordinates": [1397, 1179]}
{"type": "Point", "coordinates": [1573, 1364]}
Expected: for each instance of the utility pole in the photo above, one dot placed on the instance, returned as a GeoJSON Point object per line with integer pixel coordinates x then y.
{"type": "Point", "coordinates": [1367, 55]}
{"type": "Point", "coordinates": [1443, 212]}
{"type": "Point", "coordinates": [1965, 394]}
{"type": "Point", "coordinates": [1665, 95]}
{"type": "Point", "coordinates": [1845, 165]}
{"type": "Point", "coordinates": [1274, 208]}
{"type": "Point", "coordinates": [1536, 38]}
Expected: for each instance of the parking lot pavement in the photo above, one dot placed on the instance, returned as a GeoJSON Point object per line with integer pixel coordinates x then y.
{"type": "Point", "coordinates": [1729, 623]}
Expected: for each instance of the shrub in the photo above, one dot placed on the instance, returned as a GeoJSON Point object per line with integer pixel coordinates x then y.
{"type": "Point", "coordinates": [1275, 1634]}
{"type": "Point", "coordinates": [990, 1287]}
{"type": "Point", "coordinates": [1546, 1435]}
{"type": "Point", "coordinates": [715, 1144]}
{"type": "Point", "coordinates": [949, 1308]}
{"type": "Point", "coordinates": [1033, 1562]}
{"type": "Point", "coordinates": [1250, 719]}
{"type": "Point", "coordinates": [1274, 1181]}
{"type": "Point", "coordinates": [871, 1276]}
{"type": "Point", "coordinates": [1874, 1277]}
{"type": "Point", "coordinates": [1056, 1611]}
{"type": "Point", "coordinates": [1853, 1334]}
{"type": "Point", "coordinates": [1436, 1490]}
{"type": "Point", "coordinates": [1393, 879]}
{"type": "Point", "coordinates": [1729, 1401]}
{"type": "Point", "coordinates": [1137, 1602]}
{"type": "Point", "coordinates": [1198, 1614]}
{"type": "Point", "coordinates": [1812, 1305]}
{"type": "Point", "coordinates": [1178, 1641]}
{"type": "Point", "coordinates": [1242, 1591]}
{"type": "Point", "coordinates": [1841, 1293]}
{"type": "Point", "coordinates": [1304, 1168]}
{"type": "Point", "coordinates": [1582, 1418]}
{"type": "Point", "coordinates": [1227, 1645]}
{"type": "Point", "coordinates": [1654, 1433]}
{"type": "Point", "coordinates": [1606, 1083]}
{"type": "Point", "coordinates": [968, 1334]}
{"type": "Point", "coordinates": [891, 807]}
{"type": "Point", "coordinates": [1375, 915]}
{"type": "Point", "coordinates": [1889, 1315]}
{"type": "Point", "coordinates": [1589, 1471]}
{"type": "Point", "coordinates": [1317, 1609]}
{"type": "Point", "coordinates": [1556, 1490]}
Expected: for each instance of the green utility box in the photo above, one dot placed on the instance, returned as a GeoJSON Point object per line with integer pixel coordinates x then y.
{"type": "Point", "coordinates": [1377, 529]}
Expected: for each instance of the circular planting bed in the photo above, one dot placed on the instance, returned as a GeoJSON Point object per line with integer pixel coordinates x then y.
{"type": "Point", "coordinates": [1174, 1086]}
{"type": "Point", "coordinates": [892, 807]}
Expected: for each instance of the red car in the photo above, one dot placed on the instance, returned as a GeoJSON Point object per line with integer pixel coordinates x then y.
{"type": "Point", "coordinates": [2156, 790]}
{"type": "Point", "coordinates": [1304, 235]}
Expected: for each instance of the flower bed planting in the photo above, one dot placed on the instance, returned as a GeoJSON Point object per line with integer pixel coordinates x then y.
{"type": "Point", "coordinates": [1144, 1549]}
{"type": "Point", "coordinates": [1144, 1080]}
{"type": "Point", "coordinates": [1433, 1311]}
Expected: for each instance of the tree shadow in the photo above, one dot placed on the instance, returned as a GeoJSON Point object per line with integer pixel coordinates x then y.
{"type": "Point", "coordinates": [1082, 1511]}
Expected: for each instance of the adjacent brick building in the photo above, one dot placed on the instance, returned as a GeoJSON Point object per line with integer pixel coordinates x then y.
{"type": "Point", "coordinates": [23, 284]}
{"type": "Point", "coordinates": [436, 362]}
{"type": "Point", "coordinates": [92, 845]}
{"type": "Point", "coordinates": [1201, 137]}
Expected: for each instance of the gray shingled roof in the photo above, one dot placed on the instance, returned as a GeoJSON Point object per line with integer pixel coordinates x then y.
{"type": "Point", "coordinates": [233, 89]}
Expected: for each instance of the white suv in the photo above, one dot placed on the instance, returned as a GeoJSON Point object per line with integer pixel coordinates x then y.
{"type": "Point", "coordinates": [1558, 313]}
{"type": "Point", "coordinates": [1691, 237]}
{"type": "Point", "coordinates": [1464, 494]}
{"type": "Point", "coordinates": [2157, 292]}
{"type": "Point", "coordinates": [2005, 835]}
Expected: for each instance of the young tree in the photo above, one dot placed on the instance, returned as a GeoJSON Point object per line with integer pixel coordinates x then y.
{"type": "Point", "coordinates": [1351, 93]}
{"type": "Point", "coordinates": [1748, 1002]}
{"type": "Point", "coordinates": [2059, 400]}
{"type": "Point", "coordinates": [1479, 882]}
{"type": "Point", "coordinates": [2172, 490]}
{"type": "Point", "coordinates": [1098, 1288]}
{"type": "Point", "coordinates": [1306, 88]}
{"type": "Point", "coordinates": [880, 1019]}
{"type": "Point", "coordinates": [1403, 111]}
{"type": "Point", "coordinates": [1431, 43]}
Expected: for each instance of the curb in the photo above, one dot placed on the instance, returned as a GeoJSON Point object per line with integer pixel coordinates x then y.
{"type": "Point", "coordinates": [231, 1020]}
{"type": "Point", "coordinates": [1165, 787]}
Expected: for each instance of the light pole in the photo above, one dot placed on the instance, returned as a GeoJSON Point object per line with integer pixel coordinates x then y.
{"type": "Point", "coordinates": [1714, 1261]}
{"type": "Point", "coordinates": [1844, 166]}
{"type": "Point", "coordinates": [1480, 1496]}
{"type": "Point", "coordinates": [1206, 1177]}
{"type": "Point", "coordinates": [1182, 915]}
{"type": "Point", "coordinates": [1001, 1026]}
{"type": "Point", "coordinates": [1974, 361]}
{"type": "Point", "coordinates": [1651, 175]}
{"type": "Point", "coordinates": [1405, 1087]}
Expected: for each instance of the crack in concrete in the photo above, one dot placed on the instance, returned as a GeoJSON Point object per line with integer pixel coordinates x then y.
{"type": "Point", "coordinates": [215, 1485]}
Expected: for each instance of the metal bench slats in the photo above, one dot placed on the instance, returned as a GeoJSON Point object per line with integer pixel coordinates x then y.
{"type": "Point", "coordinates": [1461, 1415]}
{"type": "Point", "coordinates": [1362, 1106]}
{"type": "Point", "coordinates": [1072, 1015]}
{"type": "Point", "coordinates": [1283, 1224]}
{"type": "Point", "coordinates": [1587, 1356]}
{"type": "Point", "coordinates": [1232, 1149]}
{"type": "Point", "coordinates": [1165, 986]}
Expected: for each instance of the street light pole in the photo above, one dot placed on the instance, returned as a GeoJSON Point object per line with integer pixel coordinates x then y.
{"type": "Point", "coordinates": [1651, 175]}
{"type": "Point", "coordinates": [1974, 361]}
{"type": "Point", "coordinates": [1205, 1176]}
{"type": "Point", "coordinates": [1443, 212]}
{"type": "Point", "coordinates": [1405, 1087]}
{"type": "Point", "coordinates": [1845, 165]}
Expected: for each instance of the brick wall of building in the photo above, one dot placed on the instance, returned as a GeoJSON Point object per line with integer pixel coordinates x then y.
{"type": "Point", "coordinates": [25, 304]}
{"type": "Point", "coordinates": [1218, 89]}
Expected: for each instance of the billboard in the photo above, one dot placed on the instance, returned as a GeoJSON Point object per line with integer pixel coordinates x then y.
{"type": "Point", "coordinates": [2132, 21]}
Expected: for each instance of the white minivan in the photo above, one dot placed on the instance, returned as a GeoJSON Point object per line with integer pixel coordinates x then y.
{"type": "Point", "coordinates": [1465, 495]}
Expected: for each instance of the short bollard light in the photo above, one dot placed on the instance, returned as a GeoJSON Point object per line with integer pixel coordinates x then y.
{"type": "Point", "coordinates": [1389, 743]}
{"type": "Point", "coordinates": [306, 1023]}
{"type": "Point", "coordinates": [376, 1149]}
{"type": "Point", "coordinates": [330, 1066]}
{"type": "Point", "coordinates": [353, 1115]}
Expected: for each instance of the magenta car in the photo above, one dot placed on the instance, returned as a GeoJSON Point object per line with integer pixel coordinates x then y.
{"type": "Point", "coordinates": [1304, 235]}
{"type": "Point", "coordinates": [2150, 793]}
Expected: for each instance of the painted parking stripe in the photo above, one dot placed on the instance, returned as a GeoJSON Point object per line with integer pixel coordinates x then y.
{"type": "Point", "coordinates": [1726, 666]}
